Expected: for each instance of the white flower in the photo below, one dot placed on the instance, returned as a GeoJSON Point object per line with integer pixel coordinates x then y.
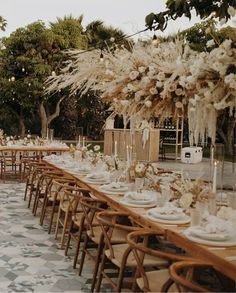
{"type": "Point", "coordinates": [159, 84]}
{"type": "Point", "coordinates": [130, 87]}
{"type": "Point", "coordinates": [148, 103]}
{"type": "Point", "coordinates": [190, 79]}
{"type": "Point", "coordinates": [145, 80]}
{"type": "Point", "coordinates": [210, 43]}
{"type": "Point", "coordinates": [153, 91]}
{"type": "Point", "coordinates": [231, 11]}
{"type": "Point", "coordinates": [141, 69]}
{"type": "Point", "coordinates": [133, 75]}
{"type": "Point", "coordinates": [138, 95]}
{"type": "Point", "coordinates": [230, 78]}
{"type": "Point", "coordinates": [161, 76]}
{"type": "Point", "coordinates": [139, 168]}
{"type": "Point", "coordinates": [178, 105]}
{"type": "Point", "coordinates": [96, 147]}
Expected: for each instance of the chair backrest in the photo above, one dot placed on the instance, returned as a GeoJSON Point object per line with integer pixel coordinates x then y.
{"type": "Point", "coordinates": [183, 273]}
{"type": "Point", "coordinates": [147, 242]}
{"type": "Point", "coordinates": [113, 222]}
{"type": "Point", "coordinates": [7, 155]}
{"type": "Point", "coordinates": [92, 206]}
{"type": "Point", "coordinates": [71, 194]}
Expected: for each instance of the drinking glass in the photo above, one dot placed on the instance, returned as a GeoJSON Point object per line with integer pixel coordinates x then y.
{"type": "Point", "coordinates": [195, 217]}
{"type": "Point", "coordinates": [139, 182]}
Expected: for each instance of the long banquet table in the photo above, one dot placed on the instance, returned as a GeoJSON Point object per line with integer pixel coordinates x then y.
{"type": "Point", "coordinates": [223, 258]}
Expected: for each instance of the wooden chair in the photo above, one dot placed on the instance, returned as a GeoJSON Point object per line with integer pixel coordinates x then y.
{"type": "Point", "coordinates": [150, 243]}
{"type": "Point", "coordinates": [8, 163]}
{"type": "Point", "coordinates": [35, 180]}
{"type": "Point", "coordinates": [43, 186]}
{"type": "Point", "coordinates": [26, 157]}
{"type": "Point", "coordinates": [51, 200]}
{"type": "Point", "coordinates": [29, 180]}
{"type": "Point", "coordinates": [69, 201]}
{"type": "Point", "coordinates": [120, 254]}
{"type": "Point", "coordinates": [93, 236]}
{"type": "Point", "coordinates": [199, 276]}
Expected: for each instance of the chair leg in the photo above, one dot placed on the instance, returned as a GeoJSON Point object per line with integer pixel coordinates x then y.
{"type": "Point", "coordinates": [57, 225]}
{"type": "Point", "coordinates": [77, 246]}
{"type": "Point", "coordinates": [98, 258]}
{"type": "Point", "coordinates": [26, 189]}
{"type": "Point", "coordinates": [100, 273]}
{"type": "Point", "coordinates": [43, 210]}
{"type": "Point", "coordinates": [83, 255]}
{"type": "Point", "coordinates": [51, 217]}
{"type": "Point", "coordinates": [30, 195]}
{"type": "Point", "coordinates": [69, 238]}
{"type": "Point", "coordinates": [64, 229]}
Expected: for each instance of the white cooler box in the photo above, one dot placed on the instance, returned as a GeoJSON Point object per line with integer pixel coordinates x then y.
{"type": "Point", "coordinates": [191, 155]}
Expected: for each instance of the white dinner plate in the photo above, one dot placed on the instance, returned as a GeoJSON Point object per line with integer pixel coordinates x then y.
{"type": "Point", "coordinates": [96, 182]}
{"type": "Point", "coordinates": [176, 216]}
{"type": "Point", "coordinates": [182, 220]}
{"type": "Point", "coordinates": [200, 233]}
{"type": "Point", "coordinates": [133, 204]}
{"type": "Point", "coordinates": [113, 191]}
{"type": "Point", "coordinates": [226, 243]}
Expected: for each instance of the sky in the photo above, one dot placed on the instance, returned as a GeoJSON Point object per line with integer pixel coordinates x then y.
{"type": "Point", "coordinates": [128, 15]}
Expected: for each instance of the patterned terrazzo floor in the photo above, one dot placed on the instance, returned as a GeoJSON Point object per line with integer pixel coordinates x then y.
{"type": "Point", "coordinates": [30, 260]}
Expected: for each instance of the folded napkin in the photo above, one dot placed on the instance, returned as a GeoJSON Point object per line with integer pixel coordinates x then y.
{"type": "Point", "coordinates": [98, 175]}
{"type": "Point", "coordinates": [137, 196]}
{"type": "Point", "coordinates": [168, 209]}
{"type": "Point", "coordinates": [216, 225]}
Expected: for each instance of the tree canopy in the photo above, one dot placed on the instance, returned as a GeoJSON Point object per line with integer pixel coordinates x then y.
{"type": "Point", "coordinates": [178, 8]}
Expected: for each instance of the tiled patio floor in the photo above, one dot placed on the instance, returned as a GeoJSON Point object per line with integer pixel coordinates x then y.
{"type": "Point", "coordinates": [30, 260]}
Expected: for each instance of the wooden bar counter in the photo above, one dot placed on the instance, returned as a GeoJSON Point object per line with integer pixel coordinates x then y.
{"type": "Point", "coordinates": [123, 138]}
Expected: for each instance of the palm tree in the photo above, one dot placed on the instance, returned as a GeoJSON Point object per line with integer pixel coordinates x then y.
{"type": "Point", "coordinates": [3, 23]}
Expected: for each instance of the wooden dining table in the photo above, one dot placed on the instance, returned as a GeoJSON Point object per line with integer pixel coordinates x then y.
{"type": "Point", "coordinates": [223, 258]}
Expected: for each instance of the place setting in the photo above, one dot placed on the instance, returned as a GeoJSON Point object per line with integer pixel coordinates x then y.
{"type": "Point", "coordinates": [115, 188]}
{"type": "Point", "coordinates": [143, 199]}
{"type": "Point", "coordinates": [212, 231]}
{"type": "Point", "coordinates": [168, 214]}
{"type": "Point", "coordinates": [97, 177]}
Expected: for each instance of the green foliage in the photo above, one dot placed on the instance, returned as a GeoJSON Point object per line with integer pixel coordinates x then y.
{"type": "Point", "coordinates": [3, 23]}
{"type": "Point", "coordinates": [29, 56]}
{"type": "Point", "coordinates": [100, 36]}
{"type": "Point", "coordinates": [180, 8]}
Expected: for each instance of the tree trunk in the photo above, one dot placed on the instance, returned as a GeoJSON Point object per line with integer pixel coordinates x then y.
{"type": "Point", "coordinates": [21, 120]}
{"type": "Point", "coordinates": [21, 125]}
{"type": "Point", "coordinates": [46, 120]}
{"type": "Point", "coordinates": [43, 118]}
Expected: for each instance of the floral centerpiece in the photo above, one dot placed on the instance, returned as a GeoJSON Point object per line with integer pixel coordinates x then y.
{"type": "Point", "coordinates": [189, 191]}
